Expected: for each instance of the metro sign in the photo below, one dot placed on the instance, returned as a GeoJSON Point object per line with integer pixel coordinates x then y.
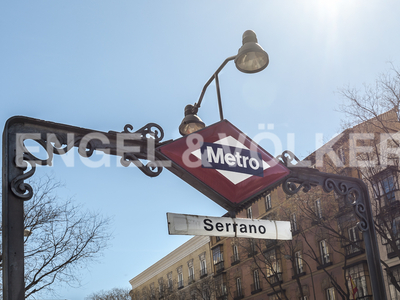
{"type": "Point", "coordinates": [224, 164]}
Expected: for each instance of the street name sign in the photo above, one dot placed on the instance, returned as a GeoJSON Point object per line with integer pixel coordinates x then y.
{"type": "Point", "coordinates": [180, 224]}
{"type": "Point", "coordinates": [224, 164]}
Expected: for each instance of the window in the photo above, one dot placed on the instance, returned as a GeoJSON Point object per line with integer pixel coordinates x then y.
{"type": "Point", "coordinates": [252, 248]}
{"type": "Point", "coordinates": [203, 267]}
{"type": "Point", "coordinates": [161, 286]}
{"type": "Point", "coordinates": [256, 279]}
{"type": "Point", "coordinates": [357, 282]}
{"type": "Point", "coordinates": [191, 274]}
{"type": "Point", "coordinates": [393, 235]}
{"type": "Point", "coordinates": [268, 204]}
{"type": "Point", "coordinates": [354, 245]}
{"type": "Point", "coordinates": [394, 293]}
{"type": "Point", "coordinates": [235, 257]}
{"type": "Point", "coordinates": [342, 155]}
{"type": "Point", "coordinates": [152, 290]}
{"type": "Point", "coordinates": [272, 264]}
{"type": "Point", "coordinates": [318, 211]}
{"type": "Point", "coordinates": [249, 213]}
{"type": "Point", "coordinates": [323, 246]}
{"type": "Point", "coordinates": [293, 222]}
{"type": "Point", "coordinates": [218, 259]}
{"type": "Point", "coordinates": [169, 282]}
{"type": "Point", "coordinates": [385, 186]}
{"type": "Point", "coordinates": [238, 287]}
{"type": "Point", "coordinates": [330, 294]}
{"type": "Point", "coordinates": [298, 259]}
{"type": "Point", "coordinates": [217, 255]}
{"type": "Point", "coordinates": [180, 277]}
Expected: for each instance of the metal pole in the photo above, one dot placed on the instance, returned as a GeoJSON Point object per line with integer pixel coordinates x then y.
{"type": "Point", "coordinates": [13, 224]}
{"type": "Point", "coordinates": [17, 158]}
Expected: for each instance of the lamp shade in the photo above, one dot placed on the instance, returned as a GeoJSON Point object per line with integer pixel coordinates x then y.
{"type": "Point", "coordinates": [251, 57]}
{"type": "Point", "coordinates": [191, 122]}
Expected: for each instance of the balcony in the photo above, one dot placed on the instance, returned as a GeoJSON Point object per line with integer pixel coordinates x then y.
{"type": "Point", "coordinates": [298, 272]}
{"type": "Point", "coordinates": [391, 253]}
{"type": "Point", "coordinates": [367, 297]}
{"type": "Point", "coordinates": [219, 267]}
{"type": "Point", "coordinates": [235, 259]}
{"type": "Point", "coordinates": [252, 252]}
{"type": "Point", "coordinates": [191, 279]}
{"type": "Point", "coordinates": [256, 288]}
{"type": "Point", "coordinates": [353, 249]}
{"type": "Point", "coordinates": [238, 295]}
{"type": "Point", "coordinates": [203, 273]}
{"type": "Point", "coordinates": [325, 262]}
{"type": "Point", "coordinates": [275, 279]}
{"type": "Point", "coordinates": [222, 294]}
{"type": "Point", "coordinates": [180, 285]}
{"type": "Point", "coordinates": [271, 243]}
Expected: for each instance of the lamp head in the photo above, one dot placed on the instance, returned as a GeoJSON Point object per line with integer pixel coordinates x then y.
{"type": "Point", "coordinates": [251, 57]}
{"type": "Point", "coordinates": [191, 122]}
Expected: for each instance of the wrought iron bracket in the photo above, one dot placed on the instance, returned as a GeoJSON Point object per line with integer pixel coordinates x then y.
{"type": "Point", "coordinates": [356, 193]}
{"type": "Point", "coordinates": [19, 164]}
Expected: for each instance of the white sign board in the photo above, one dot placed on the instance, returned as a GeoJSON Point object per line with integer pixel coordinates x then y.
{"type": "Point", "coordinates": [179, 224]}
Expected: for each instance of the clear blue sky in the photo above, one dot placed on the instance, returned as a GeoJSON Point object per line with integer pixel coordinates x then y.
{"type": "Point", "coordinates": [102, 64]}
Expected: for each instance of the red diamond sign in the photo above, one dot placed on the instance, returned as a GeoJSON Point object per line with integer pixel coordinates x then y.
{"type": "Point", "coordinates": [224, 164]}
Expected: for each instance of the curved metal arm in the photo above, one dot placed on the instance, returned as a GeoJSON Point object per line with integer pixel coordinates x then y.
{"type": "Point", "coordinates": [215, 76]}
{"type": "Point", "coordinates": [354, 191]}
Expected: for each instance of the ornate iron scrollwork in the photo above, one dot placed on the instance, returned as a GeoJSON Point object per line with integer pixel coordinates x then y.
{"type": "Point", "coordinates": [146, 131]}
{"type": "Point", "coordinates": [352, 195]}
{"type": "Point", "coordinates": [56, 141]}
{"type": "Point", "coordinates": [287, 157]}
{"type": "Point", "coordinates": [303, 179]}
{"type": "Point", "coordinates": [292, 186]}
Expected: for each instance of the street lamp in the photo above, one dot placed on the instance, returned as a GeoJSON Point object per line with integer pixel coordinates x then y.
{"type": "Point", "coordinates": [251, 58]}
{"type": "Point", "coordinates": [291, 258]}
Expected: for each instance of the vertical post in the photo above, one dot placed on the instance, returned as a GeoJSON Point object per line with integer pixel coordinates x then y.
{"type": "Point", "coordinates": [372, 250]}
{"type": "Point", "coordinates": [13, 224]}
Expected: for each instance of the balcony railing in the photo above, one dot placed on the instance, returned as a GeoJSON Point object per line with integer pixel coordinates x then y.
{"type": "Point", "coordinates": [219, 267]}
{"type": "Point", "coordinates": [203, 272]}
{"type": "Point", "coordinates": [353, 249]}
{"type": "Point", "coordinates": [191, 279]}
{"type": "Point", "coordinates": [238, 295]}
{"type": "Point", "coordinates": [275, 279]}
{"type": "Point", "coordinates": [252, 252]}
{"type": "Point", "coordinates": [180, 284]}
{"type": "Point", "coordinates": [368, 297]}
{"type": "Point", "coordinates": [235, 259]}
{"type": "Point", "coordinates": [223, 293]}
{"type": "Point", "coordinates": [256, 288]}
{"type": "Point", "coordinates": [298, 272]}
{"type": "Point", "coordinates": [391, 253]}
{"type": "Point", "coordinates": [271, 243]}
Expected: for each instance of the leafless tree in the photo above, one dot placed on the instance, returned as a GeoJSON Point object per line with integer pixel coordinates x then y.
{"type": "Point", "coordinates": [205, 288]}
{"type": "Point", "coordinates": [376, 110]}
{"type": "Point", "coordinates": [60, 236]}
{"type": "Point", "coordinates": [113, 294]}
{"type": "Point", "coordinates": [331, 221]}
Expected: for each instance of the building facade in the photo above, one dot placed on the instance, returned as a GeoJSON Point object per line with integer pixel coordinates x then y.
{"type": "Point", "coordinates": [182, 274]}
{"type": "Point", "coordinates": [326, 259]}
